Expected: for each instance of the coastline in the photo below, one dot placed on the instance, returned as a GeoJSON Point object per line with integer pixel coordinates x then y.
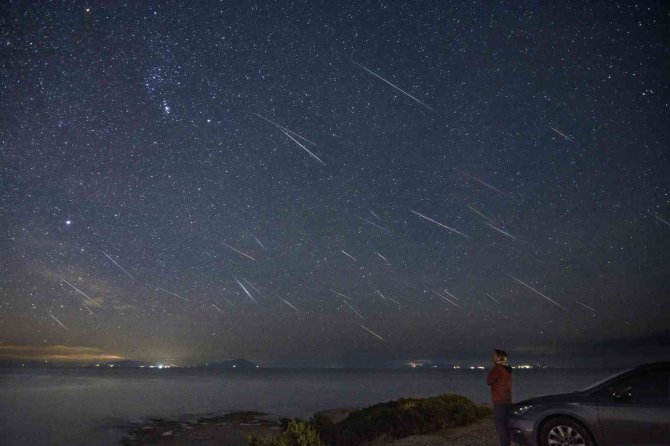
{"type": "Point", "coordinates": [232, 429]}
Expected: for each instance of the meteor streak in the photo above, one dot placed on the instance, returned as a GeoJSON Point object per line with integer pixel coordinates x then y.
{"type": "Point", "coordinates": [245, 290]}
{"type": "Point", "coordinates": [446, 298]}
{"type": "Point", "coordinates": [665, 222]}
{"type": "Point", "coordinates": [563, 134]}
{"type": "Point", "coordinates": [479, 213]}
{"type": "Point", "coordinates": [586, 306]}
{"type": "Point", "coordinates": [281, 127]}
{"type": "Point", "coordinates": [340, 294]}
{"type": "Point", "coordinates": [371, 332]}
{"type": "Point", "coordinates": [239, 252]}
{"type": "Point", "coordinates": [484, 183]}
{"type": "Point", "coordinates": [175, 294]}
{"type": "Point", "coordinates": [217, 308]}
{"type": "Point", "coordinates": [89, 310]}
{"type": "Point", "coordinates": [259, 242]}
{"type": "Point", "coordinates": [56, 319]}
{"type": "Point", "coordinates": [493, 298]}
{"type": "Point", "coordinates": [374, 224]}
{"type": "Point", "coordinates": [251, 285]}
{"type": "Point", "coordinates": [120, 267]}
{"type": "Point", "coordinates": [303, 147]}
{"type": "Point", "coordinates": [374, 215]}
{"type": "Point", "coordinates": [501, 231]}
{"type": "Point", "coordinates": [383, 258]}
{"type": "Point", "coordinates": [439, 224]}
{"type": "Point", "coordinates": [392, 85]}
{"type": "Point", "coordinates": [78, 290]}
{"type": "Point", "coordinates": [348, 255]}
{"type": "Point", "coordinates": [389, 298]}
{"type": "Point", "coordinates": [353, 309]}
{"type": "Point", "coordinates": [289, 304]}
{"type": "Point", "coordinates": [447, 291]}
{"type": "Point", "coordinates": [536, 291]}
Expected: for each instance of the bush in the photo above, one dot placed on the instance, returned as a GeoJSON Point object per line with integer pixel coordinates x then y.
{"type": "Point", "coordinates": [297, 433]}
{"type": "Point", "coordinates": [400, 418]}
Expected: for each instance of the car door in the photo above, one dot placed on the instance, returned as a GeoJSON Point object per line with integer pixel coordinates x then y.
{"type": "Point", "coordinates": [636, 409]}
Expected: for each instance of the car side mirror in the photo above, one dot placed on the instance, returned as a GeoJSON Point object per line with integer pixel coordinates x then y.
{"type": "Point", "coordinates": [623, 393]}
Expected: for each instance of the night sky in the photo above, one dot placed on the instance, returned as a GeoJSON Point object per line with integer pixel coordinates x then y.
{"type": "Point", "coordinates": [323, 183]}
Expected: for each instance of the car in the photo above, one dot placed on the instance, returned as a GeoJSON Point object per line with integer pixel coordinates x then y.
{"type": "Point", "coordinates": [629, 408]}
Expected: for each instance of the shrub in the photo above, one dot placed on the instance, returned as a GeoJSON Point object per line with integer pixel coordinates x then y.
{"type": "Point", "coordinates": [400, 418]}
{"type": "Point", "coordinates": [297, 433]}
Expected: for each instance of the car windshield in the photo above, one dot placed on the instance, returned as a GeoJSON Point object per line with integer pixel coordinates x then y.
{"type": "Point", "coordinates": [593, 386]}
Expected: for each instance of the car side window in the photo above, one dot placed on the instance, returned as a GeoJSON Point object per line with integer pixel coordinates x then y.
{"type": "Point", "coordinates": [645, 384]}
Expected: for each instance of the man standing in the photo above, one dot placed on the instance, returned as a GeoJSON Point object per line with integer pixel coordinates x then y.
{"type": "Point", "coordinates": [500, 380]}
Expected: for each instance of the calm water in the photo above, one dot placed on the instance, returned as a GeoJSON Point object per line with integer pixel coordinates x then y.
{"type": "Point", "coordinates": [85, 407]}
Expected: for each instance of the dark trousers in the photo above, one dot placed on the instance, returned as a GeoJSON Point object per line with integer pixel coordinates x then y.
{"type": "Point", "coordinates": [500, 420]}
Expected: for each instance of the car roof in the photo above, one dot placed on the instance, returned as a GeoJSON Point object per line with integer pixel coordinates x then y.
{"type": "Point", "coordinates": [653, 365]}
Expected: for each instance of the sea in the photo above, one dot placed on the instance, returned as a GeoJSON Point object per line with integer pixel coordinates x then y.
{"type": "Point", "coordinates": [77, 407]}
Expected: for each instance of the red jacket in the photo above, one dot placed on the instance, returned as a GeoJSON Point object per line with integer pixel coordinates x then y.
{"type": "Point", "coordinates": [500, 380]}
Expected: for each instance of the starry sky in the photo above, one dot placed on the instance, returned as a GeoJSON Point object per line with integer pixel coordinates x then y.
{"type": "Point", "coordinates": [329, 183]}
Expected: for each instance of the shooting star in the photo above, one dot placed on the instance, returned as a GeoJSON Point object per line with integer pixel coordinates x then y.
{"type": "Point", "coordinates": [563, 134]}
{"type": "Point", "coordinates": [374, 215]}
{"type": "Point", "coordinates": [665, 222]}
{"type": "Point", "coordinates": [353, 309]}
{"type": "Point", "coordinates": [288, 303]}
{"type": "Point", "coordinates": [217, 309]}
{"type": "Point", "coordinates": [59, 322]}
{"type": "Point", "coordinates": [281, 127]}
{"type": "Point", "coordinates": [119, 266]}
{"type": "Point", "coordinates": [78, 290]}
{"type": "Point", "coordinates": [493, 298]}
{"type": "Point", "coordinates": [340, 294]}
{"type": "Point", "coordinates": [251, 285]}
{"type": "Point", "coordinates": [239, 252]}
{"type": "Point", "coordinates": [389, 298]}
{"type": "Point", "coordinates": [374, 224]}
{"type": "Point", "coordinates": [303, 147]}
{"type": "Point", "coordinates": [371, 332]}
{"type": "Point", "coordinates": [175, 294]}
{"type": "Point", "coordinates": [393, 85]}
{"type": "Point", "coordinates": [89, 310]}
{"type": "Point", "coordinates": [439, 224]}
{"type": "Point", "coordinates": [245, 290]}
{"type": "Point", "coordinates": [259, 242]}
{"type": "Point", "coordinates": [447, 291]}
{"type": "Point", "coordinates": [501, 231]}
{"type": "Point", "coordinates": [348, 255]}
{"type": "Point", "coordinates": [480, 214]}
{"type": "Point", "coordinates": [484, 183]}
{"type": "Point", "coordinates": [447, 299]}
{"type": "Point", "coordinates": [383, 258]}
{"type": "Point", "coordinates": [586, 306]}
{"type": "Point", "coordinates": [536, 291]}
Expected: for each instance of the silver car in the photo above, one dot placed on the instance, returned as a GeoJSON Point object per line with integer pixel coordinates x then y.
{"type": "Point", "coordinates": [629, 408]}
